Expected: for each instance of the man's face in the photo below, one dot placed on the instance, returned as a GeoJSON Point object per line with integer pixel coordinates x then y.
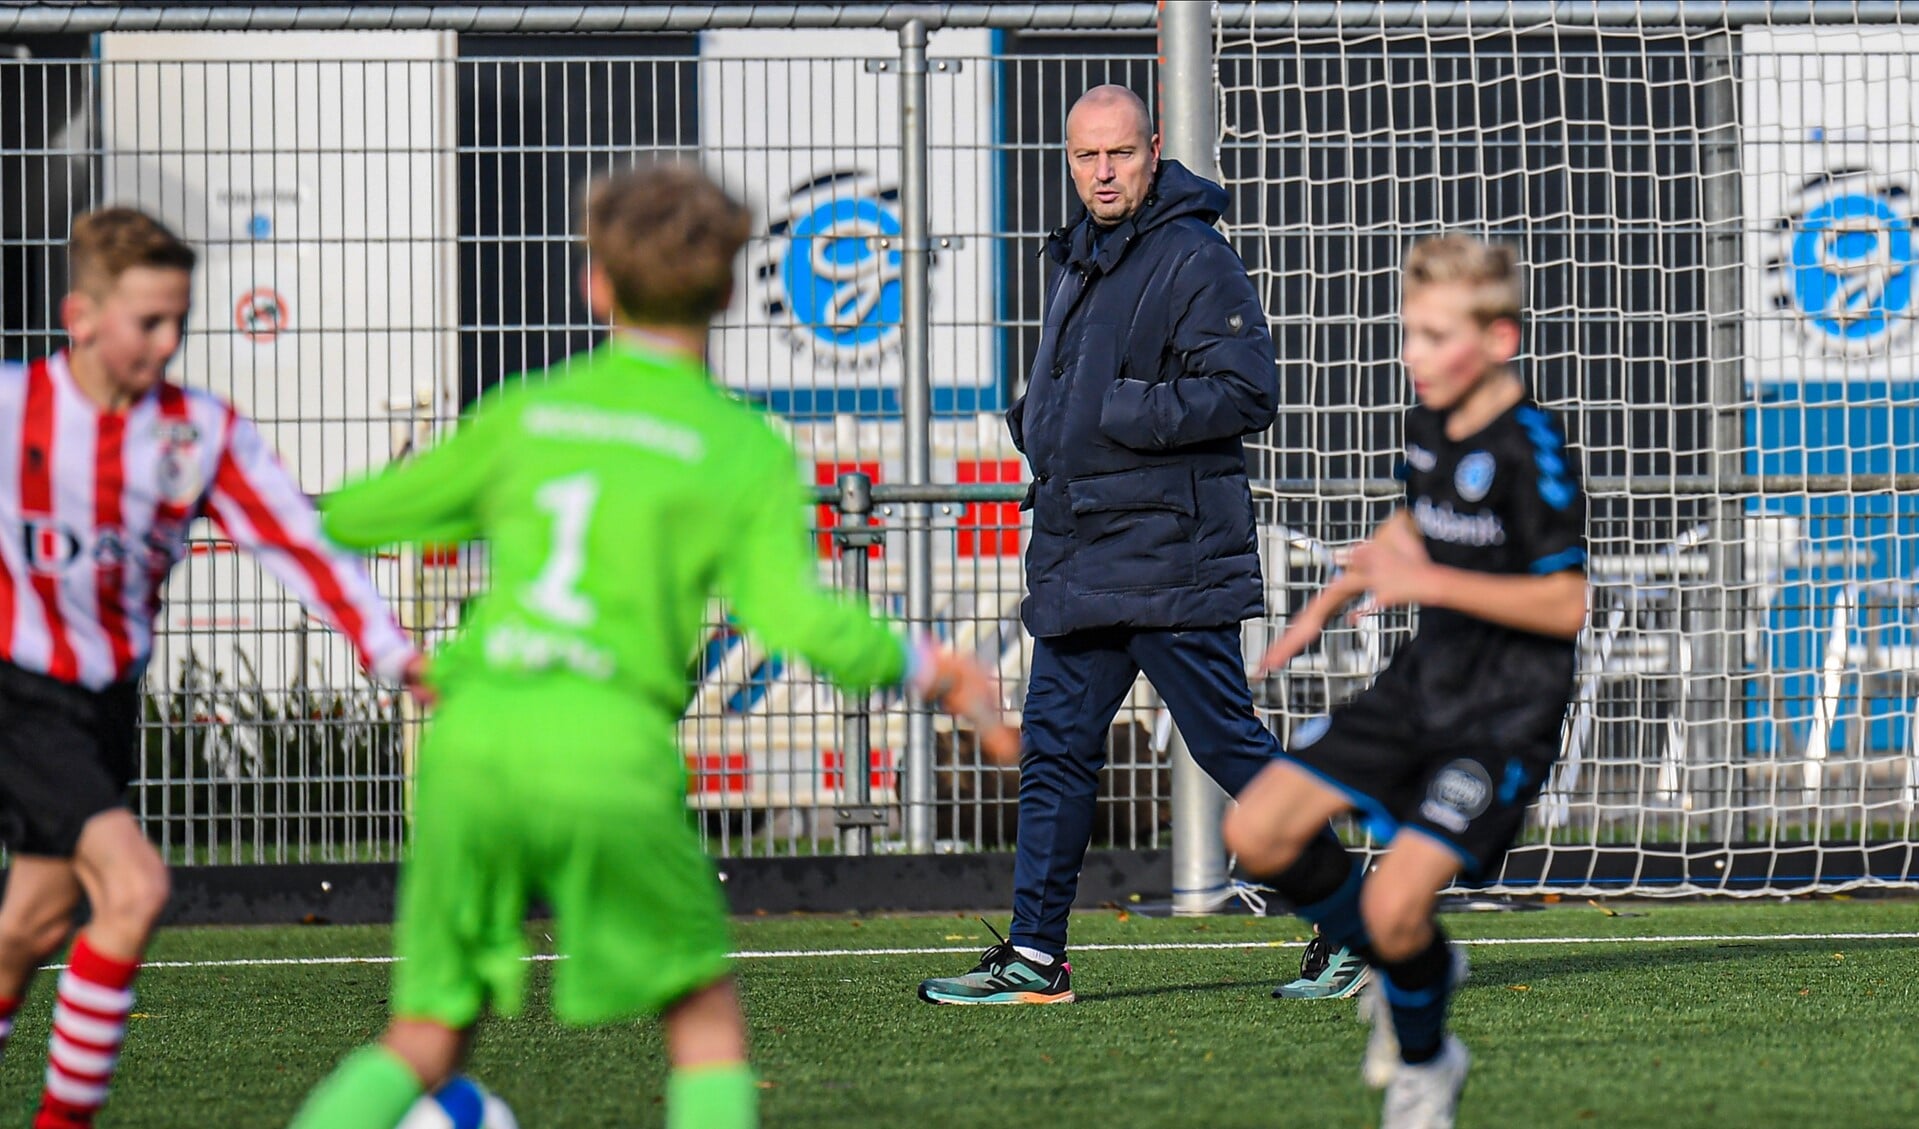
{"type": "Point", "coordinates": [1112, 156]}
{"type": "Point", "coordinates": [1447, 352]}
{"type": "Point", "coordinates": [133, 326]}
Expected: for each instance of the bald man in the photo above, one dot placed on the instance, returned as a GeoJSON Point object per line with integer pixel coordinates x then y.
{"type": "Point", "coordinates": [1154, 363]}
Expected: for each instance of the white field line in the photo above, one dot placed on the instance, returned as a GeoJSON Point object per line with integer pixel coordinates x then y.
{"type": "Point", "coordinates": [1157, 946]}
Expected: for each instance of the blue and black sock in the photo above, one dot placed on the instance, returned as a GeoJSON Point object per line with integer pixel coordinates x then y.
{"type": "Point", "coordinates": [1323, 884]}
{"type": "Point", "coordinates": [1419, 989]}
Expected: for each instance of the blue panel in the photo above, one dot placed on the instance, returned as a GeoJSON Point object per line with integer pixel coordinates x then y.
{"type": "Point", "coordinates": [825, 403]}
{"type": "Point", "coordinates": [1833, 427]}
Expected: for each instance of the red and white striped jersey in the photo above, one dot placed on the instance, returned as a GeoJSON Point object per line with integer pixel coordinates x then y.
{"type": "Point", "coordinates": [94, 510]}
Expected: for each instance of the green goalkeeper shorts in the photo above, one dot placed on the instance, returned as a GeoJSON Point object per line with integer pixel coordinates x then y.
{"type": "Point", "coordinates": [639, 921]}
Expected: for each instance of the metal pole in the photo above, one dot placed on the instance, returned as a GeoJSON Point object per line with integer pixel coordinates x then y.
{"type": "Point", "coordinates": [854, 815]}
{"type": "Point", "coordinates": [589, 18]}
{"type": "Point", "coordinates": [915, 406]}
{"type": "Point", "coordinates": [1188, 135]}
{"type": "Point", "coordinates": [1722, 604]}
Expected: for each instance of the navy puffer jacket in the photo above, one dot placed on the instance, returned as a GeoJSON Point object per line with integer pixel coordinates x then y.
{"type": "Point", "coordinates": [1155, 360]}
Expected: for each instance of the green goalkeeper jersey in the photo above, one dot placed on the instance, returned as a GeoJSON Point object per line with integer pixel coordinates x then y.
{"type": "Point", "coordinates": [617, 493]}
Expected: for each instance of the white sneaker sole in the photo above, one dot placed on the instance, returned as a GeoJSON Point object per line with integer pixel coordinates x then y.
{"type": "Point", "coordinates": [1381, 1061]}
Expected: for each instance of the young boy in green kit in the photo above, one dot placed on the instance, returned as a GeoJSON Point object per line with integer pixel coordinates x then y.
{"type": "Point", "coordinates": [617, 492]}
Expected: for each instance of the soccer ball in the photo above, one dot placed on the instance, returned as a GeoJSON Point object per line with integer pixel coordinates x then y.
{"type": "Point", "coordinates": [460, 1104]}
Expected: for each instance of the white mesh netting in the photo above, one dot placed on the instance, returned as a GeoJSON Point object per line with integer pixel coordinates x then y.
{"type": "Point", "coordinates": [1714, 222]}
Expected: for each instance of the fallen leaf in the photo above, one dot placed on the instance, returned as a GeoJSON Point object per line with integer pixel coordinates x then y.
{"type": "Point", "coordinates": [1839, 956]}
{"type": "Point", "coordinates": [1609, 911]}
{"type": "Point", "coordinates": [1124, 917]}
{"type": "Point", "coordinates": [766, 1084]}
{"type": "Point", "coordinates": [1134, 898]}
{"type": "Point", "coordinates": [1551, 899]}
{"type": "Point", "coordinates": [1805, 991]}
{"type": "Point", "coordinates": [1519, 987]}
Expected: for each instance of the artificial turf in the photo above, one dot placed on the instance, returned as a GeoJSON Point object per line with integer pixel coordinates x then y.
{"type": "Point", "coordinates": [1617, 1028]}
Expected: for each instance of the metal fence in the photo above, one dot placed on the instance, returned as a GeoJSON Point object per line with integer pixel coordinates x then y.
{"type": "Point", "coordinates": [264, 744]}
{"type": "Point", "coordinates": [1747, 440]}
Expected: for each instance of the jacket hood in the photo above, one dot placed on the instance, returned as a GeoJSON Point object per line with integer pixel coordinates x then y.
{"type": "Point", "coordinates": [1176, 192]}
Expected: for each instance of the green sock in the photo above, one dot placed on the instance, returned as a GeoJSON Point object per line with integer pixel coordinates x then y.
{"type": "Point", "coordinates": [722, 1095]}
{"type": "Point", "coordinates": [372, 1089]}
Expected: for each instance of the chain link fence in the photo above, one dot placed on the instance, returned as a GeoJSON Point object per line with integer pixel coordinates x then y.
{"type": "Point", "coordinates": [1712, 201]}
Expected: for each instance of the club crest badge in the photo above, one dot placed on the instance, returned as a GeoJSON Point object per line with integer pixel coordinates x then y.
{"type": "Point", "coordinates": [179, 476]}
{"type": "Point", "coordinates": [1474, 476]}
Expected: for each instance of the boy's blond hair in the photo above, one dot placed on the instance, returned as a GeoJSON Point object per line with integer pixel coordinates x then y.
{"type": "Point", "coordinates": [1488, 271]}
{"type": "Point", "coordinates": [109, 242]}
{"type": "Point", "coordinates": [666, 235]}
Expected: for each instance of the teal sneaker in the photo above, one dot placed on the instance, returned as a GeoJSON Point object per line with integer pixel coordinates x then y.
{"type": "Point", "coordinates": [1326, 973]}
{"type": "Point", "coordinates": [1003, 977]}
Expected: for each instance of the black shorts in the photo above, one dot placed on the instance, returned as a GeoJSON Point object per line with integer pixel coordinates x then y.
{"type": "Point", "coordinates": [66, 755]}
{"type": "Point", "coordinates": [1465, 783]}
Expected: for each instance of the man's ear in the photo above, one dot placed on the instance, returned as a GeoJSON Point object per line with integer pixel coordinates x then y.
{"type": "Point", "coordinates": [1505, 338]}
{"type": "Point", "coordinates": [598, 292]}
{"type": "Point", "coordinates": [78, 312]}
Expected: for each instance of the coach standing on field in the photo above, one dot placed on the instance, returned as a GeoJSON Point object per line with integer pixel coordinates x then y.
{"type": "Point", "coordinates": [1155, 360]}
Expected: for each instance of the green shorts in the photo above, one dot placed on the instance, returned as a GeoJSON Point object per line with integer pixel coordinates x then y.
{"type": "Point", "coordinates": [638, 917]}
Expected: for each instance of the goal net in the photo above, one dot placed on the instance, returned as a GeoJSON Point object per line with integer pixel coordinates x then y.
{"type": "Point", "coordinates": [1715, 224]}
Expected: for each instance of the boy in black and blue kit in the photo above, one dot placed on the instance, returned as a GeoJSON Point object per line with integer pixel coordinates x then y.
{"type": "Point", "coordinates": [1445, 751]}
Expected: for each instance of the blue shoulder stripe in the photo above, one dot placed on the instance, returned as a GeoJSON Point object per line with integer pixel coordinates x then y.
{"type": "Point", "coordinates": [1560, 561]}
{"type": "Point", "coordinates": [1555, 485]}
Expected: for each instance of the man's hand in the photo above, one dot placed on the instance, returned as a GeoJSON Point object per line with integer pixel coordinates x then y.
{"type": "Point", "coordinates": [1309, 621]}
{"type": "Point", "coordinates": [414, 679]}
{"type": "Point", "coordinates": [962, 687]}
{"type": "Point", "coordinates": [1300, 632]}
{"type": "Point", "coordinates": [1394, 568]}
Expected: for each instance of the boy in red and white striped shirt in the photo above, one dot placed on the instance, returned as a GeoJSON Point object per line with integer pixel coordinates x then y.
{"type": "Point", "coordinates": [103, 466]}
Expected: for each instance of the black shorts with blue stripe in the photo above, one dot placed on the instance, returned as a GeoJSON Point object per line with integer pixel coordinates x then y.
{"type": "Point", "coordinates": [1457, 763]}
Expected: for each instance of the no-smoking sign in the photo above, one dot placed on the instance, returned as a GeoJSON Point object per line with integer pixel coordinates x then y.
{"type": "Point", "coordinates": [261, 315]}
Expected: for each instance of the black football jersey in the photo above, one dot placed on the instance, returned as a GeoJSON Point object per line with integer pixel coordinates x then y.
{"type": "Point", "coordinates": [1504, 500]}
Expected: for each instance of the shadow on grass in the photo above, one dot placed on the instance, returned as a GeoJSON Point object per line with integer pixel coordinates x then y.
{"type": "Point", "coordinates": [1516, 963]}
{"type": "Point", "coordinates": [1504, 962]}
{"type": "Point", "coordinates": [1252, 987]}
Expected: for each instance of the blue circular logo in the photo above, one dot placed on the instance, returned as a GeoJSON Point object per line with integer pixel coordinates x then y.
{"type": "Point", "coordinates": [260, 226]}
{"type": "Point", "coordinates": [1852, 266]}
{"type": "Point", "coordinates": [839, 286]}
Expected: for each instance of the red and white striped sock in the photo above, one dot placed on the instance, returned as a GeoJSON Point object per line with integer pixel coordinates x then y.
{"type": "Point", "coordinates": [89, 1023]}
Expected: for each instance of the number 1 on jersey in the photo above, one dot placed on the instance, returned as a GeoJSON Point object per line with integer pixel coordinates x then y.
{"type": "Point", "coordinates": [553, 593]}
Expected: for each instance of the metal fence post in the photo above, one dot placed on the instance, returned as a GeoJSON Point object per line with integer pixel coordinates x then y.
{"type": "Point", "coordinates": [1189, 135]}
{"type": "Point", "coordinates": [1726, 597]}
{"type": "Point", "coordinates": [916, 408]}
{"type": "Point", "coordinates": [854, 814]}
